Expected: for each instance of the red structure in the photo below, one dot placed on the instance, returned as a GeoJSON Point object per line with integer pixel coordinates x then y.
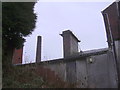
{"type": "Point", "coordinates": [17, 56]}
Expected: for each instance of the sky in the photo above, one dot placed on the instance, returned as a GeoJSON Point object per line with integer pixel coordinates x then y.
{"type": "Point", "coordinates": [84, 19]}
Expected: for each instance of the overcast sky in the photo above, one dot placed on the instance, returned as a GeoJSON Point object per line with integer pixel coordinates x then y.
{"type": "Point", "coordinates": [84, 19]}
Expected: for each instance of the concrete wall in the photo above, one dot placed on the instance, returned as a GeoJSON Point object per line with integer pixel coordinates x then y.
{"type": "Point", "coordinates": [102, 71]}
{"type": "Point", "coordinates": [81, 73]}
{"type": "Point", "coordinates": [58, 67]}
{"type": "Point", "coordinates": [117, 49]}
{"type": "Point", "coordinates": [71, 72]}
{"type": "Point", "coordinates": [96, 71]}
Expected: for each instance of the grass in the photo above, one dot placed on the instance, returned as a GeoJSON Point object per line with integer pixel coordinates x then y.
{"type": "Point", "coordinates": [21, 77]}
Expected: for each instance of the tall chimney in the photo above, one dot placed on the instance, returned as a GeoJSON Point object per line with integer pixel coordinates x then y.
{"type": "Point", "coordinates": [38, 51]}
{"type": "Point", "coordinates": [70, 43]}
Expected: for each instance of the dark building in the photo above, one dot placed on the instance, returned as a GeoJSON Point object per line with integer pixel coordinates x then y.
{"type": "Point", "coordinates": [112, 22]}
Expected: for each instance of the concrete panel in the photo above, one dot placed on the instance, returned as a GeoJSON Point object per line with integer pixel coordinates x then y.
{"type": "Point", "coordinates": [96, 71]}
{"type": "Point", "coordinates": [113, 76]}
{"type": "Point", "coordinates": [71, 72]}
{"type": "Point", "coordinates": [101, 71]}
{"type": "Point", "coordinates": [98, 75]}
{"type": "Point", "coordinates": [74, 45]}
{"type": "Point", "coordinates": [81, 72]}
{"type": "Point", "coordinates": [117, 49]}
{"type": "Point", "coordinates": [59, 68]}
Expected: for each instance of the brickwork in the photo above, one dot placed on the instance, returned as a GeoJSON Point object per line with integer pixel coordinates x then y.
{"type": "Point", "coordinates": [17, 56]}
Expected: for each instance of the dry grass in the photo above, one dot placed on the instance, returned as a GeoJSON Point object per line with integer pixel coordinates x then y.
{"type": "Point", "coordinates": [32, 77]}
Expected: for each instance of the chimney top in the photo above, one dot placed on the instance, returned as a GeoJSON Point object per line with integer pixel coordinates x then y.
{"type": "Point", "coordinates": [69, 31]}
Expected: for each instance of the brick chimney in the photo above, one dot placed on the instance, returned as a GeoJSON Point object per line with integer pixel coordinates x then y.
{"type": "Point", "coordinates": [70, 43]}
{"type": "Point", "coordinates": [17, 56]}
{"type": "Point", "coordinates": [38, 51]}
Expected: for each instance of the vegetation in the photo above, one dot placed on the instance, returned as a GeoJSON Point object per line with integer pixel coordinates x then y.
{"type": "Point", "coordinates": [18, 21]}
{"type": "Point", "coordinates": [21, 77]}
{"type": "Point", "coordinates": [30, 76]}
